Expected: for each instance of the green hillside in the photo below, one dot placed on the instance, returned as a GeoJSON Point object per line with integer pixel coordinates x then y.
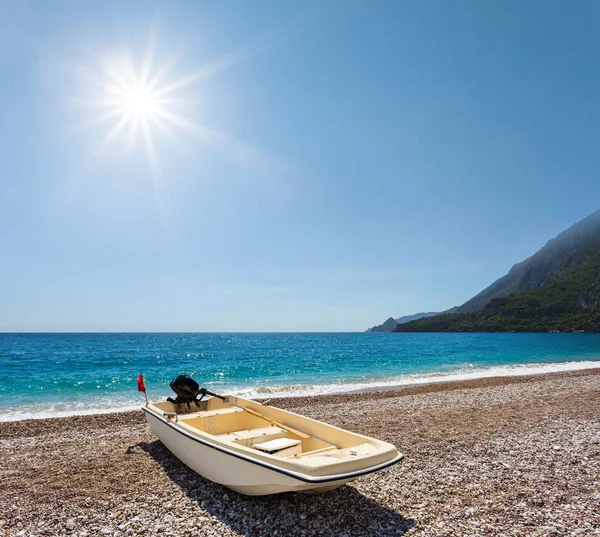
{"type": "Point", "coordinates": [556, 259]}
{"type": "Point", "coordinates": [567, 299]}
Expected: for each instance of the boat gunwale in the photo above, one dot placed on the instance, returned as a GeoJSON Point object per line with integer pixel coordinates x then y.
{"type": "Point", "coordinates": [290, 473]}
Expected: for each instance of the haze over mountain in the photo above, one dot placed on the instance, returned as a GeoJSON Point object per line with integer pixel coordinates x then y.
{"type": "Point", "coordinates": [390, 324]}
{"type": "Point", "coordinates": [557, 288]}
{"type": "Point", "coordinates": [387, 326]}
{"type": "Point", "coordinates": [547, 265]}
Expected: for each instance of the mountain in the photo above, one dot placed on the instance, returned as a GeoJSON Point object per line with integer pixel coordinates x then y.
{"type": "Point", "coordinates": [408, 318]}
{"type": "Point", "coordinates": [387, 326]}
{"type": "Point", "coordinates": [547, 265]}
{"type": "Point", "coordinates": [557, 288]}
{"type": "Point", "coordinates": [391, 323]}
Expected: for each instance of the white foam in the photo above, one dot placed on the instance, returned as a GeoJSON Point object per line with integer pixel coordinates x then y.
{"type": "Point", "coordinates": [62, 409]}
{"type": "Point", "coordinates": [101, 405]}
{"type": "Point", "coordinates": [390, 383]}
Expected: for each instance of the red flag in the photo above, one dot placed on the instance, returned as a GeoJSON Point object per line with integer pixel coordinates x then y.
{"type": "Point", "coordinates": [141, 384]}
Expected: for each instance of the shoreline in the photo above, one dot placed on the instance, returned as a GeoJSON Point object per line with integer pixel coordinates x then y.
{"type": "Point", "coordinates": [348, 397]}
{"type": "Point", "coordinates": [495, 372]}
{"type": "Point", "coordinates": [513, 456]}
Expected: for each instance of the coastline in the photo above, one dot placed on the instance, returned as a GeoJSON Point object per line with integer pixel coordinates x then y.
{"type": "Point", "coordinates": [494, 456]}
{"type": "Point", "coordinates": [118, 403]}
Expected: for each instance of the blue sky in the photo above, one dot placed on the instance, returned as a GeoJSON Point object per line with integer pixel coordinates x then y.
{"type": "Point", "coordinates": [315, 166]}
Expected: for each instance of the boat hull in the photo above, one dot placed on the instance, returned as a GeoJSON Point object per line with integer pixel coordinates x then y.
{"type": "Point", "coordinates": [236, 473]}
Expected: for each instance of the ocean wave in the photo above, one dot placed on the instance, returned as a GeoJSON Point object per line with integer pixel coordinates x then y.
{"type": "Point", "coordinates": [465, 372]}
{"type": "Point", "coordinates": [269, 390]}
{"type": "Point", "coordinates": [63, 409]}
{"type": "Point", "coordinates": [121, 403]}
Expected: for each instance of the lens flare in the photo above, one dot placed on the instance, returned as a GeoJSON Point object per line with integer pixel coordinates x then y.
{"type": "Point", "coordinates": [138, 100]}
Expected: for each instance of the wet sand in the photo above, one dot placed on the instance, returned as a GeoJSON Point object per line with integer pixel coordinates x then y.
{"type": "Point", "coordinates": [496, 456]}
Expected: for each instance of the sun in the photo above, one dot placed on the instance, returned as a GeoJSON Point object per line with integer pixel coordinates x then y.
{"type": "Point", "coordinates": [139, 102]}
{"type": "Point", "coordinates": [133, 96]}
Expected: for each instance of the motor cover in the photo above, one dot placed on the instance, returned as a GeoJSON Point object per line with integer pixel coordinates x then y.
{"type": "Point", "coordinates": [186, 388]}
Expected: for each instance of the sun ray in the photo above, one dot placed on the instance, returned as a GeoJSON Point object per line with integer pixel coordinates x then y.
{"type": "Point", "coordinates": [160, 125]}
{"type": "Point", "coordinates": [236, 150]}
{"type": "Point", "coordinates": [112, 134]}
{"type": "Point", "coordinates": [214, 67]}
{"type": "Point", "coordinates": [147, 63]}
{"type": "Point", "coordinates": [131, 135]}
{"type": "Point", "coordinates": [161, 72]}
{"type": "Point", "coordinates": [160, 191]}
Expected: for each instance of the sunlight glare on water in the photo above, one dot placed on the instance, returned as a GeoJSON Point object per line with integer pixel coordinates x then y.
{"type": "Point", "coordinates": [62, 374]}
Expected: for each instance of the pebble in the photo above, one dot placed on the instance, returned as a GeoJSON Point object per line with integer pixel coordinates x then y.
{"type": "Point", "coordinates": [488, 477]}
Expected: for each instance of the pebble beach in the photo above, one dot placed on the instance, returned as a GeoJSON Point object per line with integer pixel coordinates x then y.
{"type": "Point", "coordinates": [499, 456]}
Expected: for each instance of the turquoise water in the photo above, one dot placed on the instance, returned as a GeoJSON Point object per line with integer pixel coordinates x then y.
{"type": "Point", "coordinates": [44, 375]}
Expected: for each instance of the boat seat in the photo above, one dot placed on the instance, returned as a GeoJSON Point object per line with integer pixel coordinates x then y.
{"type": "Point", "coordinates": [282, 447]}
{"type": "Point", "coordinates": [209, 413]}
{"type": "Point", "coordinates": [251, 436]}
{"type": "Point", "coordinates": [316, 452]}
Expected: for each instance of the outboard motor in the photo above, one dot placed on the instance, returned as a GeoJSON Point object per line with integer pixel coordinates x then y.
{"type": "Point", "coordinates": [188, 390]}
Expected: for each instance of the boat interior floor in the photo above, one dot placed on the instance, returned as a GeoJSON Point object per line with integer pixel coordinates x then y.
{"type": "Point", "coordinates": [237, 427]}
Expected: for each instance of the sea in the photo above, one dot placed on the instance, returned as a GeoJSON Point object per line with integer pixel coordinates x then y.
{"type": "Point", "coordinates": [51, 375]}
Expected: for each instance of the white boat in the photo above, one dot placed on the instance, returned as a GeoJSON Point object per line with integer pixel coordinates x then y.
{"type": "Point", "coordinates": [257, 449]}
